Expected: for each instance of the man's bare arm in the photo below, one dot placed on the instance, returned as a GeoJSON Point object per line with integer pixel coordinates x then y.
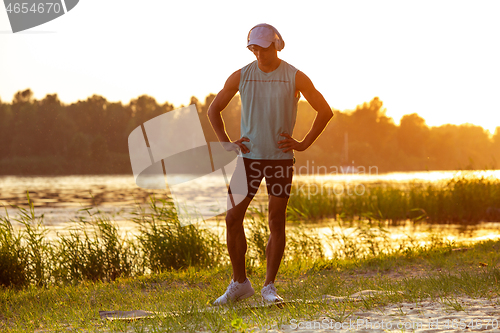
{"type": "Point", "coordinates": [220, 102]}
{"type": "Point", "coordinates": [324, 114]}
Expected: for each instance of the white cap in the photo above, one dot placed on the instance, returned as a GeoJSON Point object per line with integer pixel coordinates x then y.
{"type": "Point", "coordinates": [262, 36]}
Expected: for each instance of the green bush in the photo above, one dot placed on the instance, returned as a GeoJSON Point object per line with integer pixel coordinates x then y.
{"type": "Point", "coordinates": [94, 250]}
{"type": "Point", "coordinates": [13, 258]}
{"type": "Point", "coordinates": [26, 255]}
{"type": "Point", "coordinates": [167, 245]}
{"type": "Point", "coordinates": [99, 254]}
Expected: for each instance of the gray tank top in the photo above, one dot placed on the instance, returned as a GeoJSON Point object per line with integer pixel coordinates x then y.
{"type": "Point", "coordinates": [268, 108]}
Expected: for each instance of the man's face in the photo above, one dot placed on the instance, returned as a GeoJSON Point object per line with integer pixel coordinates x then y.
{"type": "Point", "coordinates": [264, 55]}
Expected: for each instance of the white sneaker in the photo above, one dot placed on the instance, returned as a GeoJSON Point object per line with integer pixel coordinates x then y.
{"type": "Point", "coordinates": [270, 295]}
{"type": "Point", "coordinates": [236, 292]}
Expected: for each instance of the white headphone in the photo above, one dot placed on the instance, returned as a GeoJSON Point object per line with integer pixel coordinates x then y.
{"type": "Point", "coordinates": [279, 43]}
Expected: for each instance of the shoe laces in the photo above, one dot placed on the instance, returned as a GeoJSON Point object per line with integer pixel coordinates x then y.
{"type": "Point", "coordinates": [231, 289]}
{"type": "Point", "coordinates": [269, 289]}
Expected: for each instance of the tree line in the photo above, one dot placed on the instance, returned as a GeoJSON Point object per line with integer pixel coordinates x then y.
{"type": "Point", "coordinates": [44, 137]}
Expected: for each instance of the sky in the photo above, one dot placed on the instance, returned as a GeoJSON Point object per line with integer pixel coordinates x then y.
{"type": "Point", "coordinates": [435, 58]}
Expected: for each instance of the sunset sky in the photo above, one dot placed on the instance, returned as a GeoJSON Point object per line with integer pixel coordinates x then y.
{"type": "Point", "coordinates": [439, 59]}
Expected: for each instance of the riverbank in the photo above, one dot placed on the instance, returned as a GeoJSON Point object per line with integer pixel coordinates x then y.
{"type": "Point", "coordinates": [440, 281]}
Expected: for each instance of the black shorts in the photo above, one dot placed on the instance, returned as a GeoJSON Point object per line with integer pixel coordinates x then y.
{"type": "Point", "coordinates": [278, 174]}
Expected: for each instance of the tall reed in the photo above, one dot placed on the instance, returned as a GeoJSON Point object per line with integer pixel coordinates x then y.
{"type": "Point", "coordinates": [459, 200]}
{"type": "Point", "coordinates": [257, 236]}
{"type": "Point", "coordinates": [13, 256]}
{"type": "Point", "coordinates": [301, 242]}
{"type": "Point", "coordinates": [311, 202]}
{"type": "Point", "coordinates": [166, 244]}
{"type": "Point", "coordinates": [94, 250]}
{"type": "Point", "coordinates": [364, 239]}
{"type": "Point", "coordinates": [26, 254]}
{"type": "Point", "coordinates": [96, 254]}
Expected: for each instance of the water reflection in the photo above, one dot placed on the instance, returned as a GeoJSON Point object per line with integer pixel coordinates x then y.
{"type": "Point", "coordinates": [400, 177]}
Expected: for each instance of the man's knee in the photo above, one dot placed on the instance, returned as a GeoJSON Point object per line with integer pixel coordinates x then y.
{"type": "Point", "coordinates": [236, 214]}
{"type": "Point", "coordinates": [234, 219]}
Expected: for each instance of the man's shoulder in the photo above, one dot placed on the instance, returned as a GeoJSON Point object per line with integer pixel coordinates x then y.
{"type": "Point", "coordinates": [248, 69]}
{"type": "Point", "coordinates": [289, 66]}
{"type": "Point", "coordinates": [252, 64]}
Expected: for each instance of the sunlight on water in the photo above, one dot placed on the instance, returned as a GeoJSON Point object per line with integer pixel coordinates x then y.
{"type": "Point", "coordinates": [421, 234]}
{"type": "Point", "coordinates": [398, 177]}
{"type": "Point", "coordinates": [33, 183]}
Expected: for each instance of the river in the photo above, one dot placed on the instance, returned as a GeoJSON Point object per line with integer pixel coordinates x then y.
{"type": "Point", "coordinates": [61, 200]}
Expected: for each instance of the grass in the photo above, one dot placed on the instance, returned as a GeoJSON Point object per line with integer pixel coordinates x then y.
{"type": "Point", "coordinates": [94, 250]}
{"type": "Point", "coordinates": [165, 244]}
{"type": "Point", "coordinates": [73, 305]}
{"type": "Point", "coordinates": [463, 200]}
{"type": "Point", "coordinates": [453, 304]}
{"type": "Point", "coordinates": [25, 256]}
{"type": "Point", "coordinates": [61, 285]}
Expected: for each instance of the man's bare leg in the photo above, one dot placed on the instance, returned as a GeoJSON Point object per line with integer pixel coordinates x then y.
{"type": "Point", "coordinates": [276, 244]}
{"type": "Point", "coordinates": [236, 240]}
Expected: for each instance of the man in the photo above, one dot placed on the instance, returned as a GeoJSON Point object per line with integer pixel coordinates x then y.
{"type": "Point", "coordinates": [270, 90]}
